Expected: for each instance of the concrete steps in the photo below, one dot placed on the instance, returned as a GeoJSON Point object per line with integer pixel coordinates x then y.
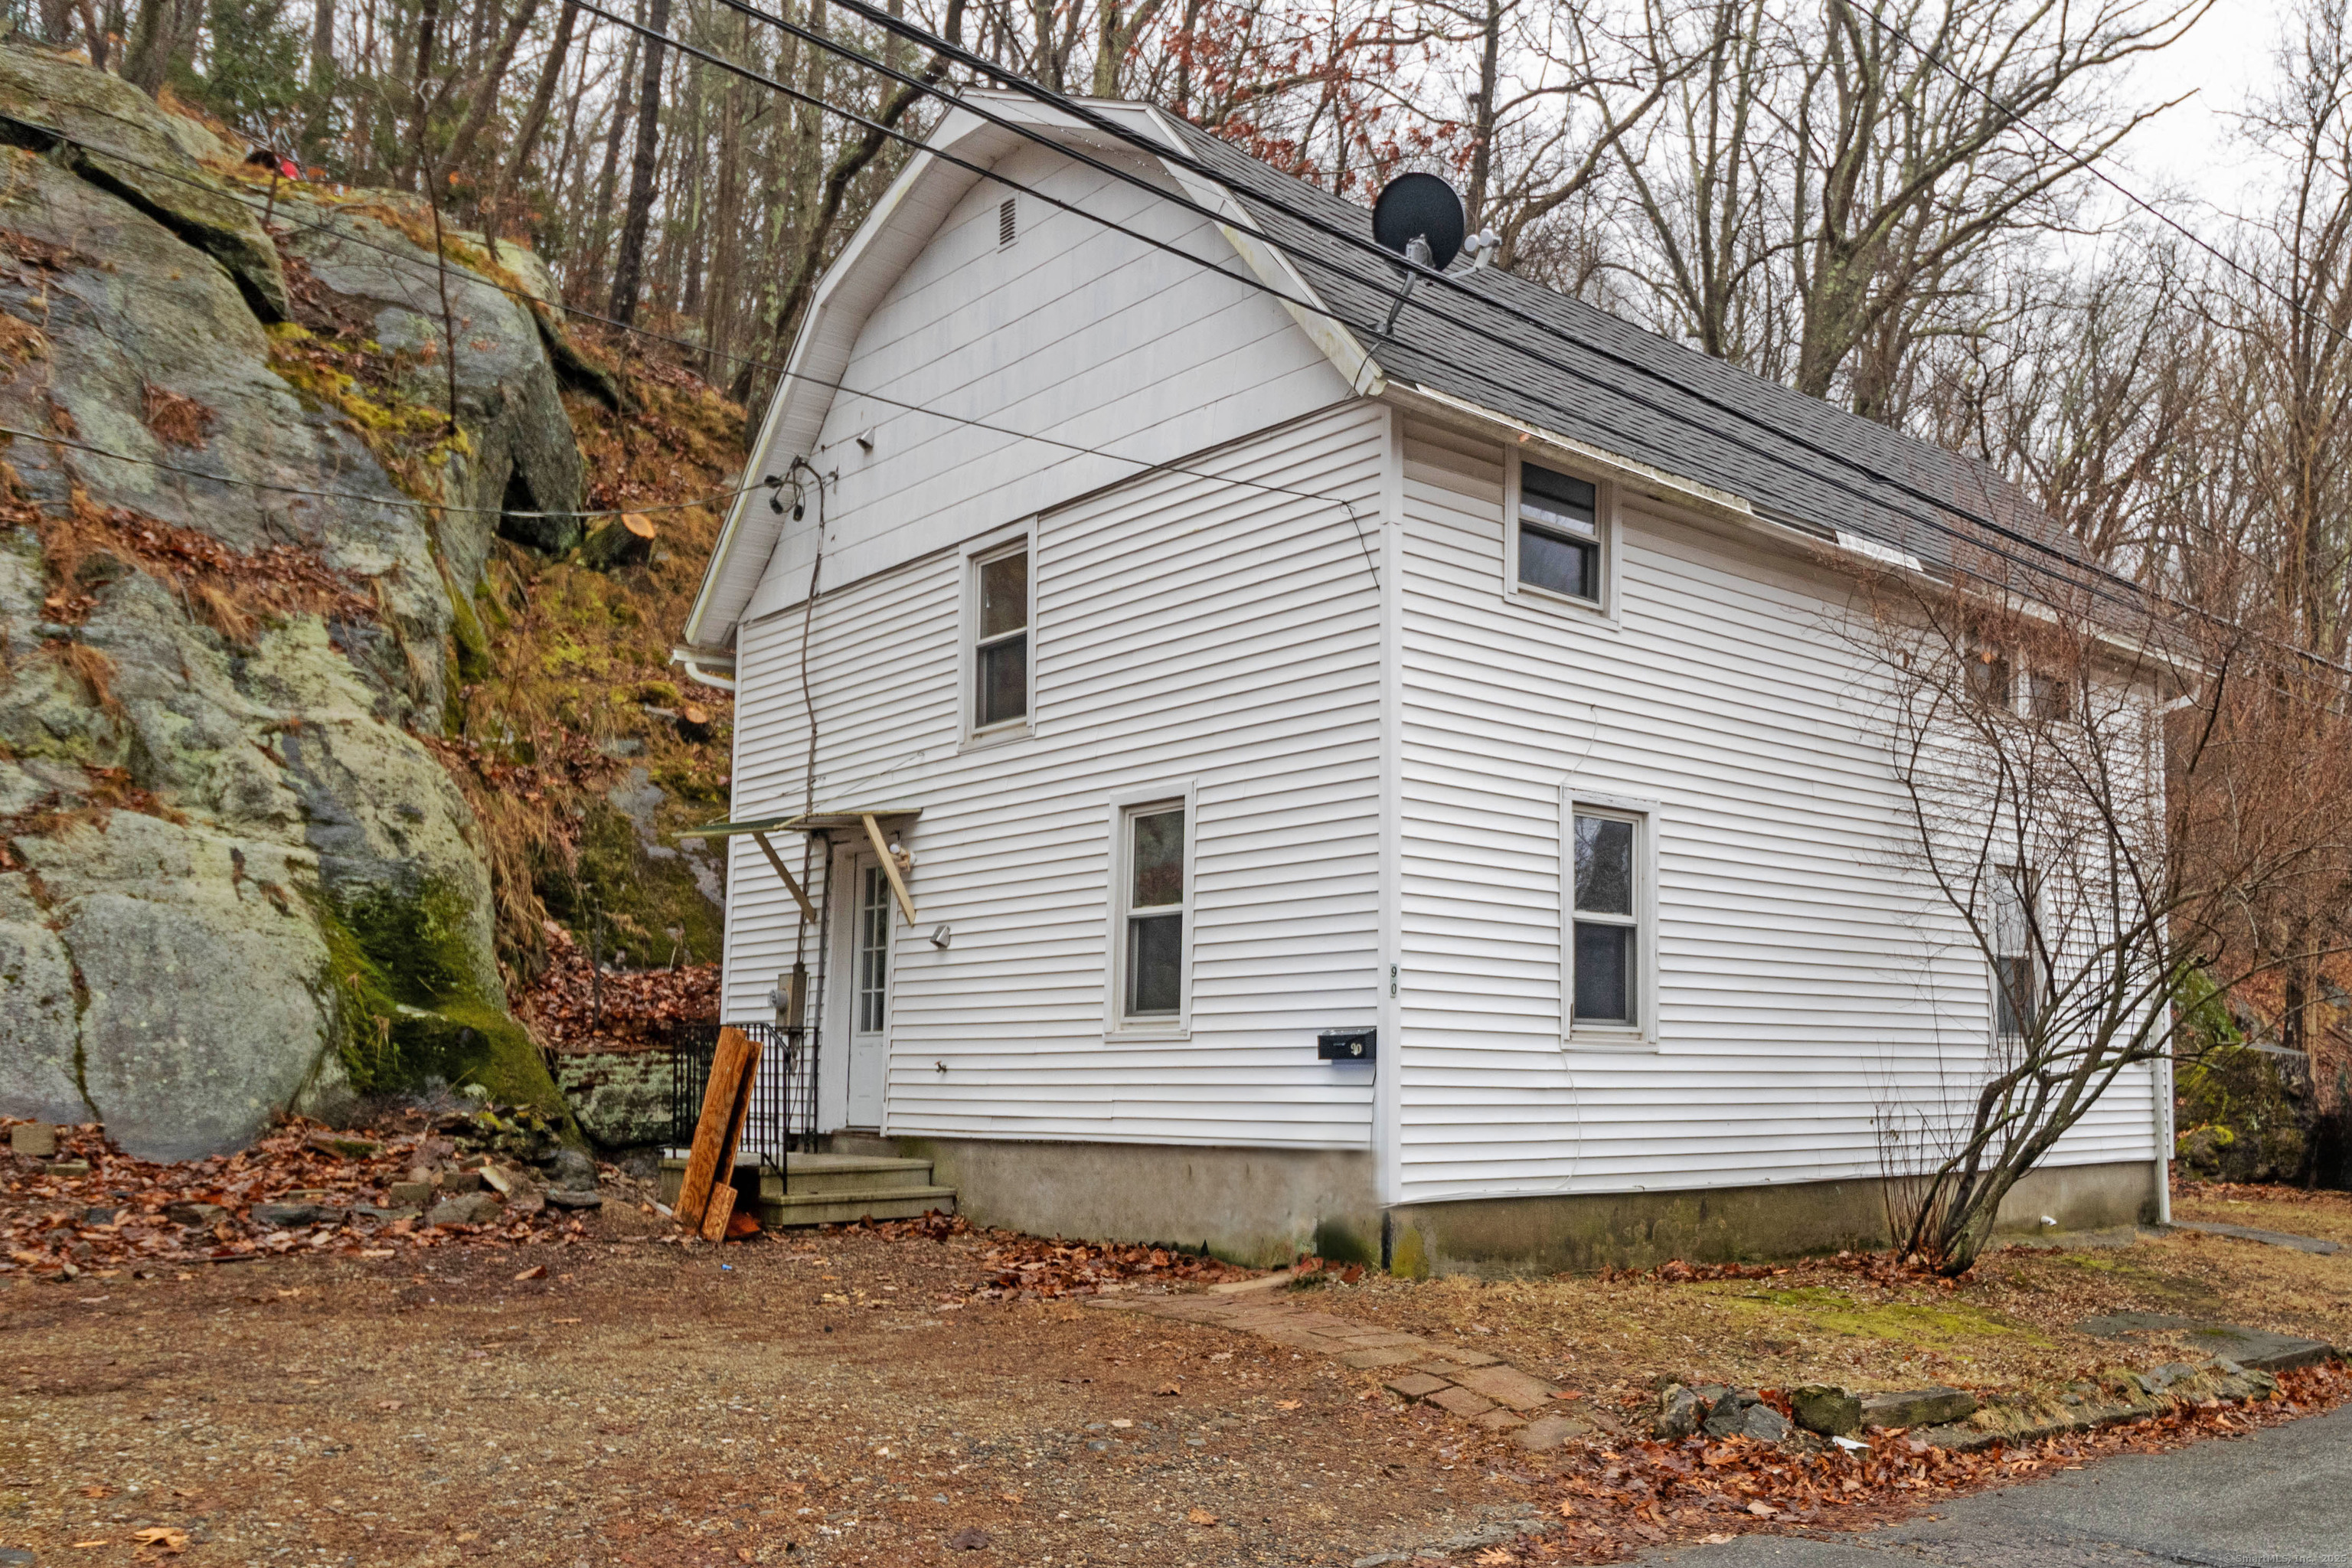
{"type": "Point", "coordinates": [838, 1189]}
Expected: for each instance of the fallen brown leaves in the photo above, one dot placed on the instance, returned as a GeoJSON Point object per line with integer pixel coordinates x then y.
{"type": "Point", "coordinates": [572, 1007]}
{"type": "Point", "coordinates": [1675, 1271]}
{"type": "Point", "coordinates": [65, 1225]}
{"type": "Point", "coordinates": [1618, 1502]}
{"type": "Point", "coordinates": [1022, 1268]}
{"type": "Point", "coordinates": [174, 416]}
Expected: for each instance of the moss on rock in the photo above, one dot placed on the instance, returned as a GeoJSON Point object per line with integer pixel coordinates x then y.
{"type": "Point", "coordinates": [412, 1007]}
{"type": "Point", "coordinates": [644, 892]}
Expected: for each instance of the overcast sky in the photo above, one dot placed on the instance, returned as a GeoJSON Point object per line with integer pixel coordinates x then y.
{"type": "Point", "coordinates": [2194, 147]}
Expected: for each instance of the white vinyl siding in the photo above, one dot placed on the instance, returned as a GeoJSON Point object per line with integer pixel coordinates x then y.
{"type": "Point", "coordinates": [1183, 629]}
{"type": "Point", "coordinates": [1078, 332]}
{"type": "Point", "coordinates": [1807, 990]}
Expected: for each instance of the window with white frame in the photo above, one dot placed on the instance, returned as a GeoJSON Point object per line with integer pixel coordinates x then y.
{"type": "Point", "coordinates": [1001, 644]}
{"type": "Point", "coordinates": [2016, 977]}
{"type": "Point", "coordinates": [1155, 903]}
{"type": "Point", "coordinates": [1605, 926]}
{"type": "Point", "coordinates": [1562, 547]}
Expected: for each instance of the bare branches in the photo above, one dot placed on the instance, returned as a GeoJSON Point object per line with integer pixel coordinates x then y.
{"type": "Point", "coordinates": [2110, 815]}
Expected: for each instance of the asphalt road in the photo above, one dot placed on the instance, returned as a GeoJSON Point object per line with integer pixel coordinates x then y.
{"type": "Point", "coordinates": [2280, 1499]}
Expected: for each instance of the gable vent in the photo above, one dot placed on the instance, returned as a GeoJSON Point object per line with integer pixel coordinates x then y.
{"type": "Point", "coordinates": [1005, 229]}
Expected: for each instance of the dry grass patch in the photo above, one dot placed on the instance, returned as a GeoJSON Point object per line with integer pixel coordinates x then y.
{"type": "Point", "coordinates": [2326, 1215]}
{"type": "Point", "coordinates": [2008, 1328]}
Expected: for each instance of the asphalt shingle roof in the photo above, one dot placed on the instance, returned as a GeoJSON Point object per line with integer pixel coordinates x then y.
{"type": "Point", "coordinates": [1570, 367]}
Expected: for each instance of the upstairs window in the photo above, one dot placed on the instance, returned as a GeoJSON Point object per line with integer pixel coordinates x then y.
{"type": "Point", "coordinates": [1000, 653]}
{"type": "Point", "coordinates": [1559, 534]}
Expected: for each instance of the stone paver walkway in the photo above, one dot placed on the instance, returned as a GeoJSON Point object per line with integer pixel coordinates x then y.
{"type": "Point", "coordinates": [1478, 1387]}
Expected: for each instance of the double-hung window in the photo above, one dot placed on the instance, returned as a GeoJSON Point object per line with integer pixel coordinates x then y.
{"type": "Point", "coordinates": [1000, 661]}
{"type": "Point", "coordinates": [1606, 928]}
{"type": "Point", "coordinates": [2016, 977]}
{"type": "Point", "coordinates": [1155, 903]}
{"type": "Point", "coordinates": [1560, 547]}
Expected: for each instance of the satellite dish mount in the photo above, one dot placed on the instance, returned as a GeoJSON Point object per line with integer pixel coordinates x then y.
{"type": "Point", "coordinates": [1419, 217]}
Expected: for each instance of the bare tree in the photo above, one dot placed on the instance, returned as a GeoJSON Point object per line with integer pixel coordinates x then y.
{"type": "Point", "coordinates": [2102, 799]}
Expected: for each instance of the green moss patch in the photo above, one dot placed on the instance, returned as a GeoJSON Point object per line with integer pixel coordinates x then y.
{"type": "Point", "coordinates": [641, 899]}
{"type": "Point", "coordinates": [411, 1007]}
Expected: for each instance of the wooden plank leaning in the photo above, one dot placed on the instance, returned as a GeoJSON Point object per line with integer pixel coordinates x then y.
{"type": "Point", "coordinates": [723, 1194]}
{"type": "Point", "coordinates": [730, 1068]}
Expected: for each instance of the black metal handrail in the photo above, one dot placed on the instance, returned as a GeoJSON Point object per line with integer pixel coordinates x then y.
{"type": "Point", "coordinates": [782, 1112]}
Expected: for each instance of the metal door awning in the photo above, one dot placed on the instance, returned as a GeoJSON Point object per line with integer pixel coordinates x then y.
{"type": "Point", "coordinates": [870, 818]}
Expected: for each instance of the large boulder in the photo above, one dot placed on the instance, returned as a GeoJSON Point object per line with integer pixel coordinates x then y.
{"type": "Point", "coordinates": [235, 877]}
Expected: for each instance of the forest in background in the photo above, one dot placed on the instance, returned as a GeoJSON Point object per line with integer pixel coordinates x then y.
{"type": "Point", "coordinates": [1900, 207]}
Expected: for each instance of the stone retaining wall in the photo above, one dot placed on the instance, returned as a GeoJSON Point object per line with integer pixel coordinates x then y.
{"type": "Point", "coordinates": [621, 1097]}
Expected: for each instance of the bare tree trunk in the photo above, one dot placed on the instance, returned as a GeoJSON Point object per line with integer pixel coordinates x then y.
{"type": "Point", "coordinates": [318, 91]}
{"type": "Point", "coordinates": [601, 204]}
{"type": "Point", "coordinates": [852, 161]}
{"type": "Point", "coordinates": [485, 90]}
{"type": "Point", "coordinates": [534, 119]}
{"type": "Point", "coordinates": [639, 217]}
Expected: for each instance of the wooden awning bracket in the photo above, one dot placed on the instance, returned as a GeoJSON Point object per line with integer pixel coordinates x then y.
{"type": "Point", "coordinates": [889, 867]}
{"type": "Point", "coordinates": [799, 896]}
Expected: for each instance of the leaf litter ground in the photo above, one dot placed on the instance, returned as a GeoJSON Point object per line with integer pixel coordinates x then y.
{"type": "Point", "coordinates": [931, 1392]}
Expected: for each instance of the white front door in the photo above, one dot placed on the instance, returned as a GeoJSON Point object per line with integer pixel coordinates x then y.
{"type": "Point", "coordinates": [867, 916]}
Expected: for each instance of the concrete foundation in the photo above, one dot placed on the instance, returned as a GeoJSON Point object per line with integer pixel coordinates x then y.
{"type": "Point", "coordinates": [1258, 1207]}
{"type": "Point", "coordinates": [1268, 1206]}
{"type": "Point", "coordinates": [1723, 1224]}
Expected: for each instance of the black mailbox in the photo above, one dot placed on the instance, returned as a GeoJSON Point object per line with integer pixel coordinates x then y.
{"type": "Point", "coordinates": [1345, 1044]}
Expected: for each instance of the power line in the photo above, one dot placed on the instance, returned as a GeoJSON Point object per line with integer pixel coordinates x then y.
{"type": "Point", "coordinates": [352, 496]}
{"type": "Point", "coordinates": [1145, 467]}
{"type": "Point", "coordinates": [1087, 115]}
{"type": "Point", "coordinates": [2089, 165]}
{"type": "Point", "coordinates": [2132, 596]}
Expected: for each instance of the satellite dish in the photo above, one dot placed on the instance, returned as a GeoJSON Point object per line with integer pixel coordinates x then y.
{"type": "Point", "coordinates": [1422, 207]}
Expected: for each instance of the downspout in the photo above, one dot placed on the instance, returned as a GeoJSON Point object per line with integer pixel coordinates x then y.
{"type": "Point", "coordinates": [701, 673]}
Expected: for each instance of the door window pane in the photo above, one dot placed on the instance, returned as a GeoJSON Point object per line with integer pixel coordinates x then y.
{"type": "Point", "coordinates": [1605, 865]}
{"type": "Point", "coordinates": [1159, 859]}
{"type": "Point", "coordinates": [873, 948]}
{"type": "Point", "coordinates": [1604, 974]}
{"type": "Point", "coordinates": [1155, 957]}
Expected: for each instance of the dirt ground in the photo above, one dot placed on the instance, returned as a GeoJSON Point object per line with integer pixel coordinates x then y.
{"type": "Point", "coordinates": [648, 1404]}
{"type": "Point", "coordinates": [846, 1398]}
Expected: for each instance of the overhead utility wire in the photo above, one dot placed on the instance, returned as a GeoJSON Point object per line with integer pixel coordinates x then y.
{"type": "Point", "coordinates": [2089, 166]}
{"type": "Point", "coordinates": [1144, 465]}
{"type": "Point", "coordinates": [1158, 150]}
{"type": "Point", "coordinates": [352, 496]}
{"type": "Point", "coordinates": [2080, 569]}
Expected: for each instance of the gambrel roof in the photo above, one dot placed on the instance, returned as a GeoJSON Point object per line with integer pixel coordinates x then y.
{"type": "Point", "coordinates": [1497, 346]}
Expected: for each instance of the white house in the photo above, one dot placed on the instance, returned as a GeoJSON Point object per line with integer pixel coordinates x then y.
{"type": "Point", "coordinates": [1237, 672]}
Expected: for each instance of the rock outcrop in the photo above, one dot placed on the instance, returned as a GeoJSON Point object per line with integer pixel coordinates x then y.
{"type": "Point", "coordinates": [234, 876]}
